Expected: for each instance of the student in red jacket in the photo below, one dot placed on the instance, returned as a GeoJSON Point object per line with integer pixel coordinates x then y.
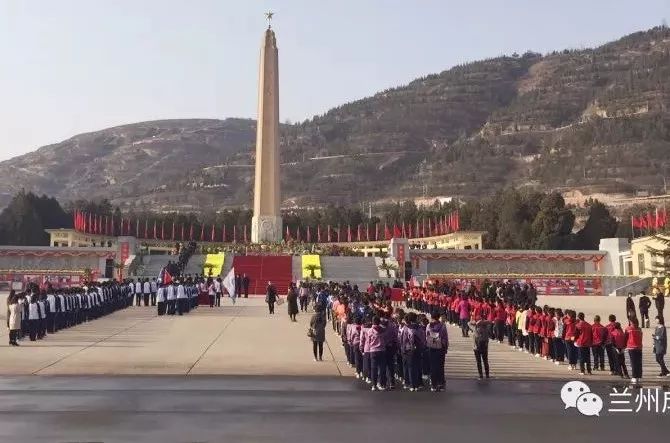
{"type": "Point", "coordinates": [584, 342]}
{"type": "Point", "coordinates": [598, 346]}
{"type": "Point", "coordinates": [570, 331]}
{"type": "Point", "coordinates": [619, 344]}
{"type": "Point", "coordinates": [634, 347]}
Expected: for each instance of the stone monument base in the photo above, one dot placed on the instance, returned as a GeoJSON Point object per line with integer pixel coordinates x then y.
{"type": "Point", "coordinates": [266, 229]}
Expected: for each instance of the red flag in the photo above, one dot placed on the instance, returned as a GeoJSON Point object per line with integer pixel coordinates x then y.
{"type": "Point", "coordinates": [309, 236]}
{"type": "Point", "coordinates": [245, 233]}
{"type": "Point", "coordinates": [403, 231]}
{"type": "Point", "coordinates": [387, 232]}
{"type": "Point", "coordinates": [396, 231]}
{"type": "Point", "coordinates": [656, 220]}
{"type": "Point", "coordinates": [650, 220]}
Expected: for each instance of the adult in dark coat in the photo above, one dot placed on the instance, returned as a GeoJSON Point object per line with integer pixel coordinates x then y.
{"type": "Point", "coordinates": [245, 285]}
{"type": "Point", "coordinates": [271, 297]}
{"type": "Point", "coordinates": [317, 326]}
{"type": "Point", "coordinates": [659, 301]}
{"type": "Point", "coordinates": [292, 302]}
{"type": "Point", "coordinates": [630, 307]}
{"type": "Point", "coordinates": [661, 345]}
{"type": "Point", "coordinates": [644, 303]}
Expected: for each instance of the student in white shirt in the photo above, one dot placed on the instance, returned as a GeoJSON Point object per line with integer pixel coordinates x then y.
{"type": "Point", "coordinates": [181, 299]}
{"type": "Point", "coordinates": [146, 291]}
{"type": "Point", "coordinates": [154, 291]}
{"type": "Point", "coordinates": [138, 292]}
{"type": "Point", "coordinates": [161, 299]}
{"type": "Point", "coordinates": [171, 296]}
{"type": "Point", "coordinates": [33, 318]}
{"type": "Point", "coordinates": [217, 288]}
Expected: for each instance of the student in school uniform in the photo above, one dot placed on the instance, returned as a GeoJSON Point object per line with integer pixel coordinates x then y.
{"type": "Point", "coordinates": [619, 347]}
{"type": "Point", "coordinates": [377, 348]}
{"type": "Point", "coordinates": [583, 343]}
{"type": "Point", "coordinates": [138, 292]}
{"type": "Point", "coordinates": [161, 299]}
{"type": "Point", "coordinates": [609, 346]}
{"type": "Point", "coordinates": [598, 347]}
{"type": "Point", "coordinates": [437, 342]}
{"type": "Point", "coordinates": [217, 291]}
{"type": "Point", "coordinates": [182, 299]}
{"type": "Point", "coordinates": [171, 297]}
{"type": "Point", "coordinates": [33, 318]}
{"type": "Point", "coordinates": [633, 336]}
{"type": "Point", "coordinates": [570, 331]}
{"type": "Point", "coordinates": [412, 346]}
{"type": "Point", "coordinates": [154, 291]}
{"type": "Point", "coordinates": [146, 291]}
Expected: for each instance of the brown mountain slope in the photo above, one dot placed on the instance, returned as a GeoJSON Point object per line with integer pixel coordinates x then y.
{"type": "Point", "coordinates": [592, 119]}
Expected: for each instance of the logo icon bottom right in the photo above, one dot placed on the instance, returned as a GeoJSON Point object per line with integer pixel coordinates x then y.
{"type": "Point", "coordinates": [577, 394]}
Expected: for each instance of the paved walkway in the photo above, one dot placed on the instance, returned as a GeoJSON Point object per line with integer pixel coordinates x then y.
{"type": "Point", "coordinates": [229, 340]}
{"type": "Point", "coordinates": [246, 340]}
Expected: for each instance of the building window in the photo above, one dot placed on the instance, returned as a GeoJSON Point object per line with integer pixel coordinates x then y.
{"type": "Point", "coordinates": [640, 264]}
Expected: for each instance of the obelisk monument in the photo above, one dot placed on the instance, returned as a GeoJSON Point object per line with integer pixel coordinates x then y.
{"type": "Point", "coordinates": [266, 223]}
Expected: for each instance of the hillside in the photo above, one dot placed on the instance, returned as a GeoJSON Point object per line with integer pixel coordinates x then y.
{"type": "Point", "coordinates": [594, 120]}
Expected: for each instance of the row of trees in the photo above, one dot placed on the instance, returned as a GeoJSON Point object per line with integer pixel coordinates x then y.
{"type": "Point", "coordinates": [513, 219]}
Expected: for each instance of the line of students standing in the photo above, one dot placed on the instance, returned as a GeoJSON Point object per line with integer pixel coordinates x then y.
{"type": "Point", "coordinates": [548, 332]}
{"type": "Point", "coordinates": [36, 313]}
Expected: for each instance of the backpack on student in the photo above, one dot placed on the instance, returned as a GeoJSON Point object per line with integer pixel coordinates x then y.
{"type": "Point", "coordinates": [409, 344]}
{"type": "Point", "coordinates": [434, 341]}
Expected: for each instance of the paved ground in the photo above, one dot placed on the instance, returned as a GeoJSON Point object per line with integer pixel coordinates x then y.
{"type": "Point", "coordinates": [242, 339]}
{"type": "Point", "coordinates": [245, 340]}
{"type": "Point", "coordinates": [303, 409]}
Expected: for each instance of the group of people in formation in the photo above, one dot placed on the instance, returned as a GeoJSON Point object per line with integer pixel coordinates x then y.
{"type": "Point", "coordinates": [385, 346]}
{"type": "Point", "coordinates": [36, 313]}
{"type": "Point", "coordinates": [388, 346]}
{"type": "Point", "coordinates": [505, 311]}
{"type": "Point", "coordinates": [176, 297]}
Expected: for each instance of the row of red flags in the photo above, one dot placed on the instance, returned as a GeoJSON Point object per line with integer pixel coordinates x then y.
{"type": "Point", "coordinates": [107, 225]}
{"type": "Point", "coordinates": [651, 220]}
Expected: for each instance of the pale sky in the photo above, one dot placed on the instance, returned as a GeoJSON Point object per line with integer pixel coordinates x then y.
{"type": "Point", "coordinates": [73, 66]}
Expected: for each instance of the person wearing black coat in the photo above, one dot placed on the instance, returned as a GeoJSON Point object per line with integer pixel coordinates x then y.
{"type": "Point", "coordinates": [630, 307]}
{"type": "Point", "coordinates": [644, 303]}
{"type": "Point", "coordinates": [271, 297]}
{"type": "Point", "coordinates": [659, 301]}
{"type": "Point", "coordinates": [661, 345]}
{"type": "Point", "coordinates": [292, 302]}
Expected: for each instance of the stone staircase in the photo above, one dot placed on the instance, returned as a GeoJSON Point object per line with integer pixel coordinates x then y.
{"type": "Point", "coordinates": [195, 263]}
{"type": "Point", "coordinates": [153, 264]}
{"type": "Point", "coordinates": [357, 270]}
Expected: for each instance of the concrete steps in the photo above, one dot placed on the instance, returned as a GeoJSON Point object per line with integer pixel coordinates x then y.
{"type": "Point", "coordinates": [357, 270]}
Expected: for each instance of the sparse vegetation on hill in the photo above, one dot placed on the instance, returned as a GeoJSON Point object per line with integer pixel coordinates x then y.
{"type": "Point", "coordinates": [592, 119]}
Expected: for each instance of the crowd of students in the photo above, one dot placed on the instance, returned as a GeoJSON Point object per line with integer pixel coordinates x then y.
{"type": "Point", "coordinates": [387, 346]}
{"type": "Point", "coordinates": [36, 313]}
{"type": "Point", "coordinates": [175, 297]}
{"type": "Point", "coordinates": [509, 313]}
